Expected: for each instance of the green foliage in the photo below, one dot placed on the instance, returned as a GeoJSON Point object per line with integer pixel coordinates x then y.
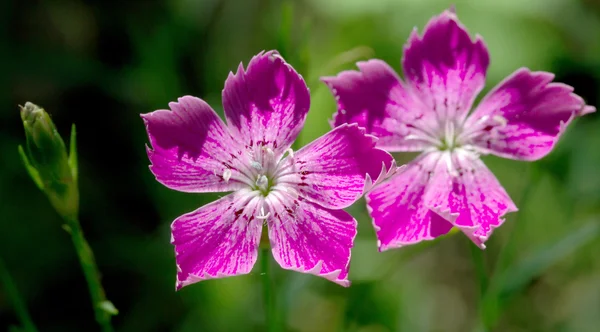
{"type": "Point", "coordinates": [509, 283]}
{"type": "Point", "coordinates": [102, 65]}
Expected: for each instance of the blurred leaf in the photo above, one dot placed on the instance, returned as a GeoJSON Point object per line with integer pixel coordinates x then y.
{"type": "Point", "coordinates": [370, 303]}
{"type": "Point", "coordinates": [582, 186]}
{"type": "Point", "coordinates": [65, 69]}
{"type": "Point", "coordinates": [322, 102]}
{"type": "Point", "coordinates": [304, 47]}
{"type": "Point", "coordinates": [373, 265]}
{"type": "Point", "coordinates": [347, 57]}
{"type": "Point", "coordinates": [284, 42]}
{"type": "Point", "coordinates": [15, 328]}
{"type": "Point", "coordinates": [517, 277]}
{"type": "Point", "coordinates": [534, 265]}
{"type": "Point", "coordinates": [155, 79]}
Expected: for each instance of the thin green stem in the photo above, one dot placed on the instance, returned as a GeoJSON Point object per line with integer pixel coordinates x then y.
{"type": "Point", "coordinates": [102, 307]}
{"type": "Point", "coordinates": [18, 303]}
{"type": "Point", "coordinates": [480, 269]}
{"type": "Point", "coordinates": [268, 298]}
{"type": "Point", "coordinates": [284, 40]}
{"type": "Point", "coordinates": [508, 251]}
{"type": "Point", "coordinates": [491, 303]}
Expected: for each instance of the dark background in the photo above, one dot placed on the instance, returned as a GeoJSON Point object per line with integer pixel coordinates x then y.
{"type": "Point", "coordinates": [100, 64]}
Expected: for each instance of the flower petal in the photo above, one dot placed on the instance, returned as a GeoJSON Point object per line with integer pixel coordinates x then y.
{"type": "Point", "coordinates": [468, 195]}
{"type": "Point", "coordinates": [445, 67]}
{"type": "Point", "coordinates": [267, 103]}
{"type": "Point", "coordinates": [217, 240]}
{"type": "Point", "coordinates": [400, 215]}
{"type": "Point", "coordinates": [523, 117]}
{"type": "Point", "coordinates": [333, 169]}
{"type": "Point", "coordinates": [376, 99]}
{"type": "Point", "coordinates": [190, 147]}
{"type": "Point", "coordinates": [308, 238]}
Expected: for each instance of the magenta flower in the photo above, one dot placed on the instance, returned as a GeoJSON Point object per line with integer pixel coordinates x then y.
{"type": "Point", "coordinates": [447, 184]}
{"type": "Point", "coordinates": [299, 195]}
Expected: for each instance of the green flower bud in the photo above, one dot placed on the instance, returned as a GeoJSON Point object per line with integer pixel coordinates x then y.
{"type": "Point", "coordinates": [47, 162]}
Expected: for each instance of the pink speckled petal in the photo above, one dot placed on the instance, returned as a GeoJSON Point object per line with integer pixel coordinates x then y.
{"type": "Point", "coordinates": [190, 147]}
{"type": "Point", "coordinates": [523, 117]}
{"type": "Point", "coordinates": [397, 208]}
{"type": "Point", "coordinates": [218, 240]}
{"type": "Point", "coordinates": [333, 170]}
{"type": "Point", "coordinates": [308, 238]}
{"type": "Point", "coordinates": [376, 99]}
{"type": "Point", "coordinates": [466, 193]}
{"type": "Point", "coordinates": [445, 68]}
{"type": "Point", "coordinates": [266, 104]}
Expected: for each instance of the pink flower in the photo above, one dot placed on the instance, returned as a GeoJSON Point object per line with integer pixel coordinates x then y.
{"type": "Point", "coordinates": [447, 184]}
{"type": "Point", "coordinates": [299, 195]}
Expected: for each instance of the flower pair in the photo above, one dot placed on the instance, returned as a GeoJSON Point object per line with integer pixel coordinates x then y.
{"type": "Point", "coordinates": [300, 194]}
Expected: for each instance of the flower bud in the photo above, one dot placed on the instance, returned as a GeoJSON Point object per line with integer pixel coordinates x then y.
{"type": "Point", "coordinates": [47, 161]}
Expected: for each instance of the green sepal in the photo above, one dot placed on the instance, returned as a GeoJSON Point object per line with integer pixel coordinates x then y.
{"type": "Point", "coordinates": [108, 307]}
{"type": "Point", "coordinates": [33, 172]}
{"type": "Point", "coordinates": [73, 154]}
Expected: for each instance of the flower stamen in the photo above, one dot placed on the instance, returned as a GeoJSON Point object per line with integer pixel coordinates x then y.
{"type": "Point", "coordinates": [262, 215]}
{"type": "Point", "coordinates": [227, 175]}
{"type": "Point", "coordinates": [424, 138]}
{"type": "Point", "coordinates": [256, 165]}
{"type": "Point", "coordinates": [501, 120]}
{"type": "Point", "coordinates": [290, 152]}
{"type": "Point", "coordinates": [262, 183]}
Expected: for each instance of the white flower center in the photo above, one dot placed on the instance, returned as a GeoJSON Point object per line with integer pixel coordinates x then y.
{"type": "Point", "coordinates": [448, 137]}
{"type": "Point", "coordinates": [262, 184]}
{"type": "Point", "coordinates": [269, 180]}
{"type": "Point", "coordinates": [451, 134]}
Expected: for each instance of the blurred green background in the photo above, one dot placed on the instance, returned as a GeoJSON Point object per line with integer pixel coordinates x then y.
{"type": "Point", "coordinates": [100, 64]}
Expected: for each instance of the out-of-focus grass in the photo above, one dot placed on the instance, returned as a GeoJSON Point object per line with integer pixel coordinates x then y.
{"type": "Point", "coordinates": [100, 65]}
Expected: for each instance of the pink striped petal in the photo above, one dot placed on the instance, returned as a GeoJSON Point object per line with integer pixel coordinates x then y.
{"type": "Point", "coordinates": [308, 238]}
{"type": "Point", "coordinates": [468, 195]}
{"type": "Point", "coordinates": [397, 207]}
{"type": "Point", "coordinates": [334, 168]}
{"type": "Point", "coordinates": [267, 103]}
{"type": "Point", "coordinates": [218, 240]}
{"type": "Point", "coordinates": [523, 117]}
{"type": "Point", "coordinates": [190, 146]}
{"type": "Point", "coordinates": [376, 99]}
{"type": "Point", "coordinates": [445, 67]}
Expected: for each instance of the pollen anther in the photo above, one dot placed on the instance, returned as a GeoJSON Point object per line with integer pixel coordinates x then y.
{"type": "Point", "coordinates": [262, 215]}
{"type": "Point", "coordinates": [256, 165]}
{"type": "Point", "coordinates": [501, 120]}
{"type": "Point", "coordinates": [262, 182]}
{"type": "Point", "coordinates": [290, 152]}
{"type": "Point", "coordinates": [227, 174]}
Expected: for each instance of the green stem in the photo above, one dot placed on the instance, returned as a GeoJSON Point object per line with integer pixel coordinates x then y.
{"type": "Point", "coordinates": [13, 293]}
{"type": "Point", "coordinates": [480, 270]}
{"type": "Point", "coordinates": [269, 303]}
{"type": "Point", "coordinates": [284, 40]}
{"type": "Point", "coordinates": [509, 250]}
{"type": "Point", "coordinates": [102, 307]}
{"type": "Point", "coordinates": [492, 305]}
